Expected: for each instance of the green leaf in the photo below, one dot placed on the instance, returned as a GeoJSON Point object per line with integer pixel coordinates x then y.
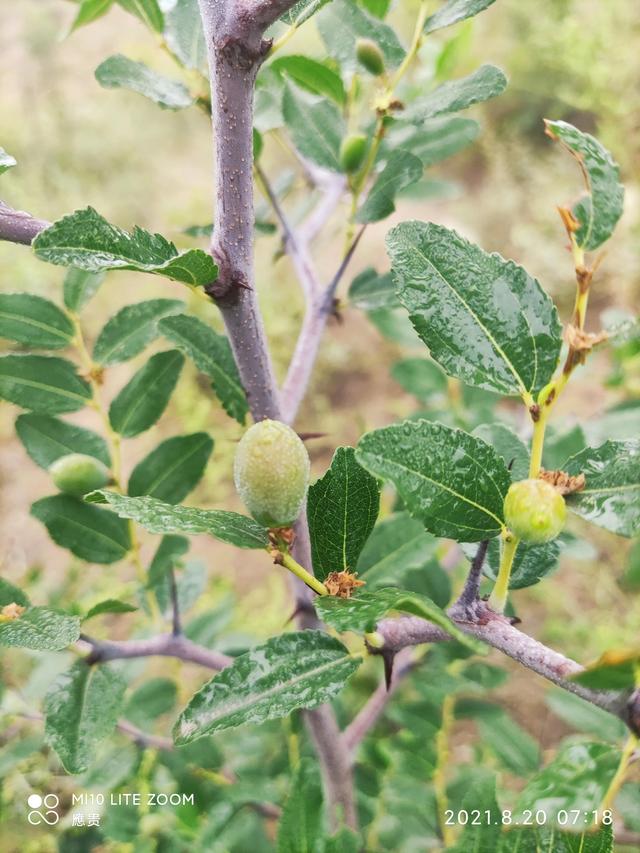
{"type": "Point", "coordinates": [16, 751]}
{"type": "Point", "coordinates": [81, 709]}
{"type": "Point", "coordinates": [120, 72]}
{"type": "Point", "coordinates": [152, 699]}
{"type": "Point", "coordinates": [344, 841]}
{"type": "Point", "coordinates": [79, 287]}
{"type": "Point", "coordinates": [109, 605]}
{"type": "Point", "coordinates": [10, 594]}
{"type": "Point", "coordinates": [453, 482]}
{"type": "Point", "coordinates": [485, 83]}
{"type": "Point", "coordinates": [212, 355]}
{"type": "Point", "coordinates": [86, 240]}
{"type": "Point", "coordinates": [342, 508]}
{"type": "Point", "coordinates": [43, 384]}
{"type": "Point", "coordinates": [6, 161]}
{"type": "Point", "coordinates": [548, 838]}
{"type": "Point", "coordinates": [148, 11]}
{"type": "Point", "coordinates": [420, 377]}
{"type": "Point", "coordinates": [369, 290]}
{"type": "Point", "coordinates": [159, 517]}
{"type": "Point", "coordinates": [168, 556]}
{"type": "Point", "coordinates": [402, 170]}
{"type": "Point", "coordinates": [577, 778]}
{"type": "Point", "coordinates": [600, 211]}
{"type": "Point", "coordinates": [314, 76]}
{"type": "Point", "coordinates": [343, 22]}
{"type": "Point", "coordinates": [482, 837]}
{"type": "Point", "coordinates": [614, 670]}
{"type": "Point", "coordinates": [40, 628]}
{"type": "Point", "coordinates": [129, 331]}
{"type": "Point", "coordinates": [397, 546]}
{"type": "Point", "coordinates": [302, 11]}
{"type": "Point", "coordinates": [300, 825]}
{"type": "Point", "coordinates": [46, 439]}
{"type": "Point", "coordinates": [611, 496]}
{"type": "Point", "coordinates": [298, 670]}
{"type": "Point", "coordinates": [364, 609]}
{"type": "Point", "coordinates": [316, 127]}
{"type": "Point", "coordinates": [145, 397]}
{"type": "Point", "coordinates": [516, 750]}
{"type": "Point", "coordinates": [506, 444]}
{"type": "Point", "coordinates": [453, 11]}
{"type": "Point", "coordinates": [484, 319]}
{"type": "Point", "coordinates": [559, 446]}
{"type": "Point", "coordinates": [34, 321]}
{"type": "Point", "coordinates": [90, 533]}
{"type": "Point", "coordinates": [173, 469]}
{"type": "Point", "coordinates": [89, 11]}
{"type": "Point", "coordinates": [184, 36]}
{"type": "Point", "coordinates": [437, 139]}
{"type": "Point", "coordinates": [585, 717]}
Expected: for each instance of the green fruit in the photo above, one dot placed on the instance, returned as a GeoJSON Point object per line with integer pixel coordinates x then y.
{"type": "Point", "coordinates": [370, 56]}
{"type": "Point", "coordinates": [534, 511]}
{"type": "Point", "coordinates": [77, 474]}
{"type": "Point", "coordinates": [352, 151]}
{"type": "Point", "coordinates": [271, 473]}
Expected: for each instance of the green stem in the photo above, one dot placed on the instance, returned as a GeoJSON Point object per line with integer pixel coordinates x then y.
{"type": "Point", "coordinates": [498, 598]}
{"type": "Point", "coordinates": [440, 770]}
{"type": "Point", "coordinates": [620, 774]}
{"type": "Point", "coordinates": [537, 444]}
{"type": "Point", "coordinates": [300, 572]}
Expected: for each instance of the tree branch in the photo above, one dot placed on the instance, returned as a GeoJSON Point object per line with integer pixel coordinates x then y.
{"type": "Point", "coordinates": [164, 645]}
{"type": "Point", "coordinates": [498, 632]}
{"type": "Point", "coordinates": [16, 226]}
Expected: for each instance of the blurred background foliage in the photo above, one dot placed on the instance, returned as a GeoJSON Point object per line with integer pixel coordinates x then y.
{"type": "Point", "coordinates": [79, 144]}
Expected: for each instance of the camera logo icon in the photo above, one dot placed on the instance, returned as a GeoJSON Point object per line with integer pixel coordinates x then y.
{"type": "Point", "coordinates": [42, 809]}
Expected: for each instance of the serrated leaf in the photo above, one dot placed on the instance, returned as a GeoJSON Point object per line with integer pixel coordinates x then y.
{"type": "Point", "coordinates": [6, 161]}
{"type": "Point", "coordinates": [173, 469]}
{"type": "Point", "coordinates": [531, 563]}
{"type": "Point", "coordinates": [455, 95]}
{"type": "Point", "coordinates": [401, 170]}
{"type": "Point", "coordinates": [611, 496]}
{"type": "Point", "coordinates": [109, 605]}
{"type": "Point", "coordinates": [548, 838]}
{"type": "Point", "coordinates": [577, 778]}
{"type": "Point", "coordinates": [46, 439]}
{"type": "Point", "coordinates": [81, 708]}
{"type": "Point", "coordinates": [129, 331]}
{"type": "Point", "coordinates": [40, 628]}
{"type": "Point", "coordinates": [342, 508]}
{"type": "Point", "coordinates": [298, 670]}
{"type": "Point", "coordinates": [90, 533]}
{"type": "Point", "coordinates": [86, 240]}
{"type": "Point", "coordinates": [514, 747]}
{"type": "Point", "coordinates": [184, 36]}
{"type": "Point", "coordinates": [420, 377]}
{"type": "Point", "coordinates": [89, 11]}
{"type": "Point", "coordinates": [453, 11]}
{"type": "Point", "coordinates": [364, 609]}
{"type": "Point", "coordinates": [343, 22]}
{"type": "Point", "coordinates": [212, 355]}
{"type": "Point", "coordinates": [600, 211]}
{"type": "Point", "coordinates": [437, 139]}
{"type": "Point", "coordinates": [397, 546]}
{"type": "Point", "coordinates": [507, 444]}
{"type": "Point", "coordinates": [480, 837]}
{"type": "Point", "coordinates": [152, 699]}
{"type": "Point", "coordinates": [300, 825]}
{"type": "Point", "coordinates": [315, 125]}
{"type": "Point", "coordinates": [616, 669]}
{"type": "Point", "coordinates": [148, 11]}
{"type": "Point", "coordinates": [370, 290]}
{"type": "Point", "coordinates": [159, 517]}
{"type": "Point", "coordinates": [145, 397]}
{"type": "Point", "coordinates": [453, 482]}
{"type": "Point", "coordinates": [43, 384]}
{"type": "Point", "coordinates": [79, 287]}
{"type": "Point", "coordinates": [484, 319]}
{"type": "Point", "coordinates": [302, 11]}
{"type": "Point", "coordinates": [34, 321]}
{"type": "Point", "coordinates": [314, 76]}
{"type": "Point", "coordinates": [585, 717]}
{"type": "Point", "coordinates": [10, 594]}
{"type": "Point", "coordinates": [120, 72]}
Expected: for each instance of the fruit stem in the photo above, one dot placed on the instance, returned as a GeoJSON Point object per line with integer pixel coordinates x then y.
{"type": "Point", "coordinates": [498, 598]}
{"type": "Point", "coordinates": [286, 560]}
{"type": "Point", "coordinates": [537, 444]}
{"type": "Point", "coordinates": [616, 783]}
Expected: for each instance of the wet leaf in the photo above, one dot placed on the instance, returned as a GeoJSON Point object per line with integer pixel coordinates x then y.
{"type": "Point", "coordinates": [41, 629]}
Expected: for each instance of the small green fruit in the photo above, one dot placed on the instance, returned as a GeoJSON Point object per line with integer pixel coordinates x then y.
{"type": "Point", "coordinates": [370, 56]}
{"type": "Point", "coordinates": [77, 474]}
{"type": "Point", "coordinates": [534, 511]}
{"type": "Point", "coordinates": [271, 473]}
{"type": "Point", "coordinates": [352, 151]}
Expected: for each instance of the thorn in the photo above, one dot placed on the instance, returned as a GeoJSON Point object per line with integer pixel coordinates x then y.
{"type": "Point", "coordinates": [388, 658]}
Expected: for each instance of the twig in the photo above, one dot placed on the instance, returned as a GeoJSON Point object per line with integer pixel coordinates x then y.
{"type": "Point", "coordinates": [471, 591]}
{"type": "Point", "coordinates": [16, 226]}
{"type": "Point", "coordinates": [164, 645]}
{"type": "Point", "coordinates": [176, 621]}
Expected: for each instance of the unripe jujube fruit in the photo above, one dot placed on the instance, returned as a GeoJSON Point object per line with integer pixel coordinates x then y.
{"type": "Point", "coordinates": [534, 511]}
{"type": "Point", "coordinates": [352, 151]}
{"type": "Point", "coordinates": [370, 56]}
{"type": "Point", "coordinates": [271, 473]}
{"type": "Point", "coordinates": [77, 474]}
